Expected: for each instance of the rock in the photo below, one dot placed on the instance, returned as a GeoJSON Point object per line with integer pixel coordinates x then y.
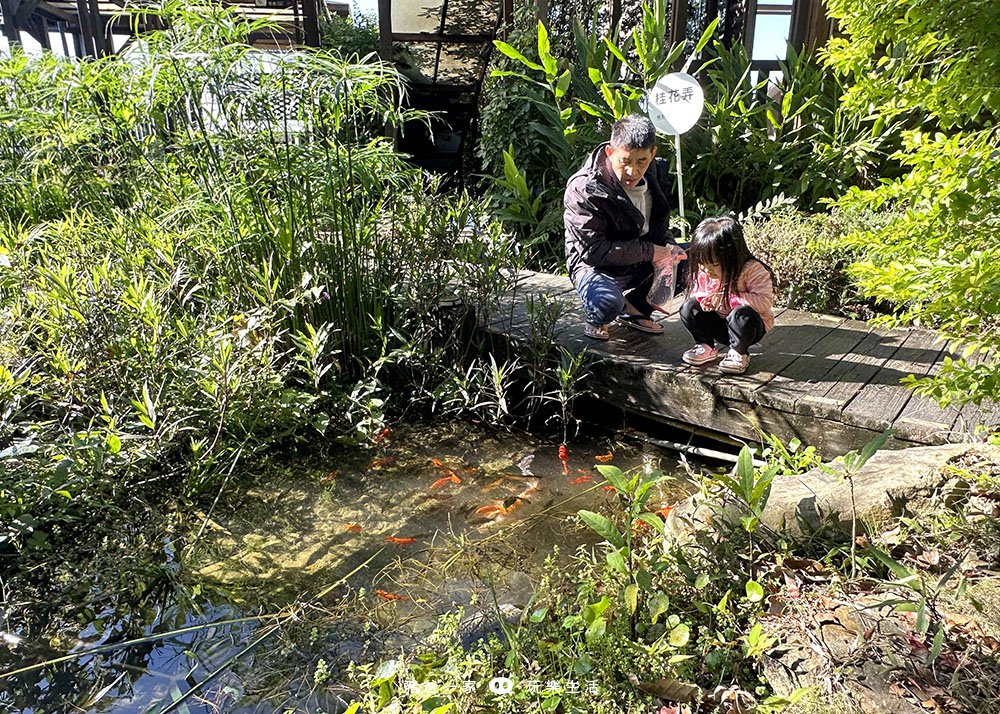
{"type": "Point", "coordinates": [893, 483]}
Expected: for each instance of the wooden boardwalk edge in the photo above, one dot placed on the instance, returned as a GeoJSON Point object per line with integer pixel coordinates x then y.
{"type": "Point", "coordinates": [830, 382]}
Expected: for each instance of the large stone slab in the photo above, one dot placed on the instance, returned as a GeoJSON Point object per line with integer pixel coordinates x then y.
{"type": "Point", "coordinates": [893, 483]}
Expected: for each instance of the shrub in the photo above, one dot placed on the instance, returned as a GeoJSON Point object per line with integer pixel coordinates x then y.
{"type": "Point", "coordinates": [810, 259]}
{"type": "Point", "coordinates": [934, 64]}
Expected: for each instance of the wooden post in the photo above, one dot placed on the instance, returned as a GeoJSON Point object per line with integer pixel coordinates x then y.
{"type": "Point", "coordinates": [385, 30]}
{"type": "Point", "coordinates": [9, 28]}
{"type": "Point", "coordinates": [749, 25]}
{"type": "Point", "coordinates": [616, 13]}
{"type": "Point", "coordinates": [506, 17]}
{"type": "Point", "coordinates": [310, 15]}
{"type": "Point", "coordinates": [810, 25]}
{"type": "Point", "coordinates": [678, 22]}
{"type": "Point", "coordinates": [61, 27]}
{"type": "Point", "coordinates": [43, 33]}
{"type": "Point", "coordinates": [86, 46]}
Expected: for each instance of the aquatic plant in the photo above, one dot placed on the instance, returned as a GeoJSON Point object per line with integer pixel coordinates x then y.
{"type": "Point", "coordinates": [209, 250]}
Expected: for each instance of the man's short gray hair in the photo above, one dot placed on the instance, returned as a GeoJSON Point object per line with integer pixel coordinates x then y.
{"type": "Point", "coordinates": [633, 132]}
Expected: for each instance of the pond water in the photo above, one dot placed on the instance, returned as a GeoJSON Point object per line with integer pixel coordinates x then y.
{"type": "Point", "coordinates": [342, 559]}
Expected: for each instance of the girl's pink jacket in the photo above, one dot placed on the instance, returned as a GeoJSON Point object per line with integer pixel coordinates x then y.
{"type": "Point", "coordinates": [754, 288]}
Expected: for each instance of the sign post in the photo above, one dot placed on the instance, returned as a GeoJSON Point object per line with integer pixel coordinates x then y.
{"type": "Point", "coordinates": [675, 103]}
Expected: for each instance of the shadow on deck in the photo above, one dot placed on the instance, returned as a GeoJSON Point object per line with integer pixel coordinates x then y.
{"type": "Point", "coordinates": [833, 383]}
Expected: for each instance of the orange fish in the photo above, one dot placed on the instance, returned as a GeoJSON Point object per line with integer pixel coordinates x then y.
{"type": "Point", "coordinates": [400, 541]}
{"type": "Point", "coordinates": [438, 465]}
{"type": "Point", "coordinates": [353, 528]}
{"type": "Point", "coordinates": [379, 463]}
{"type": "Point", "coordinates": [564, 457]}
{"type": "Point", "coordinates": [390, 596]}
{"type": "Point", "coordinates": [385, 433]}
{"type": "Point", "coordinates": [605, 458]}
{"type": "Point", "coordinates": [609, 487]}
{"type": "Point", "coordinates": [665, 511]}
{"type": "Point", "coordinates": [329, 477]}
{"type": "Point", "coordinates": [582, 479]}
{"type": "Point", "coordinates": [442, 481]}
{"type": "Point", "coordinates": [491, 509]}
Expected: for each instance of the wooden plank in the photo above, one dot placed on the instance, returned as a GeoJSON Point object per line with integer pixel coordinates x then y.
{"type": "Point", "coordinates": [878, 404]}
{"type": "Point", "coordinates": [922, 419]}
{"type": "Point", "coordinates": [786, 389]}
{"type": "Point", "coordinates": [851, 374]}
{"type": "Point", "coordinates": [973, 416]}
{"type": "Point", "coordinates": [661, 393]}
{"type": "Point", "coordinates": [793, 334]}
{"type": "Point", "coordinates": [829, 382]}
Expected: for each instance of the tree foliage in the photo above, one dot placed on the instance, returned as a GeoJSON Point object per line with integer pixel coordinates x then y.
{"type": "Point", "coordinates": [934, 64]}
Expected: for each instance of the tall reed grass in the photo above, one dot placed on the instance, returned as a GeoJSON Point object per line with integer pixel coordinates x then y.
{"type": "Point", "coordinates": [205, 251]}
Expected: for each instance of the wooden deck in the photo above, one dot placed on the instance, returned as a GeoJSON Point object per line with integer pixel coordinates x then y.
{"type": "Point", "coordinates": [832, 382]}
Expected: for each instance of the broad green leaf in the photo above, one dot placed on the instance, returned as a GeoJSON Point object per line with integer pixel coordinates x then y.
{"type": "Point", "coordinates": [550, 704]}
{"type": "Point", "coordinates": [604, 528]}
{"type": "Point", "coordinates": [593, 611]}
{"type": "Point", "coordinates": [680, 635]}
{"type": "Point", "coordinates": [872, 446]}
{"type": "Point", "coordinates": [596, 630]}
{"type": "Point", "coordinates": [583, 664]}
{"type": "Point", "coordinates": [755, 593]}
{"type": "Point", "coordinates": [658, 605]}
{"type": "Point", "coordinates": [616, 561]}
{"type": "Point", "coordinates": [615, 477]}
{"type": "Point", "coordinates": [632, 598]}
{"type": "Point", "coordinates": [654, 520]}
{"type": "Point", "coordinates": [745, 473]}
{"type": "Point", "coordinates": [386, 671]}
{"type": "Point", "coordinates": [938, 642]}
{"type": "Point", "coordinates": [701, 581]}
{"type": "Point", "coordinates": [514, 54]}
{"type": "Point", "coordinates": [563, 84]}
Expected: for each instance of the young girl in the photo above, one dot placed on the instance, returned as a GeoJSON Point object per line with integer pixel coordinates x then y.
{"type": "Point", "coordinates": [730, 294]}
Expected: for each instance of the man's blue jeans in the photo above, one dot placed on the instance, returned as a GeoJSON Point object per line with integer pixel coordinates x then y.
{"type": "Point", "coordinates": [604, 295]}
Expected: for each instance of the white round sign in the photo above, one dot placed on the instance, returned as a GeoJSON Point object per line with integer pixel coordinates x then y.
{"type": "Point", "coordinates": [675, 103]}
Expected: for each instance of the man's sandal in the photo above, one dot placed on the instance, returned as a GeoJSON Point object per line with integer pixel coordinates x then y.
{"type": "Point", "coordinates": [635, 322]}
{"type": "Point", "coordinates": [597, 332]}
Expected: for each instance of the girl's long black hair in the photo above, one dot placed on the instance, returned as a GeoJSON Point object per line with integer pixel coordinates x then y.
{"type": "Point", "coordinates": [720, 241]}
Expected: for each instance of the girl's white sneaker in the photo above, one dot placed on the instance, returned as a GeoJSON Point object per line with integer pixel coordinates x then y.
{"type": "Point", "coordinates": [734, 362]}
{"type": "Point", "coordinates": [700, 354]}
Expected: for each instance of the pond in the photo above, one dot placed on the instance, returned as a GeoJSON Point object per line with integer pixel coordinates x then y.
{"type": "Point", "coordinates": [348, 558]}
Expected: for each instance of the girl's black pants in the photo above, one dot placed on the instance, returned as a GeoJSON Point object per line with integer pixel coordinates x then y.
{"type": "Point", "coordinates": [739, 329]}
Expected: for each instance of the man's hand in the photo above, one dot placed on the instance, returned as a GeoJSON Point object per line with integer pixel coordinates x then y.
{"type": "Point", "coordinates": [668, 254]}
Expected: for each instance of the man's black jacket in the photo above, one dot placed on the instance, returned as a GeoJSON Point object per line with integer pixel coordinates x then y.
{"type": "Point", "coordinates": [602, 224]}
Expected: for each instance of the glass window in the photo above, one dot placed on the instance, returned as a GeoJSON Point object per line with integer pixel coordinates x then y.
{"type": "Point", "coordinates": [771, 28]}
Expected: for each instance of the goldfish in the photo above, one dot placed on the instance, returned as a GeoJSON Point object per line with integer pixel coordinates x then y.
{"type": "Point", "coordinates": [352, 527]}
{"type": "Point", "coordinates": [564, 457]}
{"type": "Point", "coordinates": [390, 596]}
{"type": "Point", "coordinates": [329, 477]}
{"type": "Point", "coordinates": [490, 510]}
{"type": "Point", "coordinates": [665, 511]}
{"type": "Point", "coordinates": [605, 458]}
{"type": "Point", "coordinates": [385, 433]}
{"type": "Point", "coordinates": [582, 479]}
{"type": "Point", "coordinates": [400, 541]}
{"type": "Point", "coordinates": [442, 481]}
{"type": "Point", "coordinates": [379, 463]}
{"type": "Point", "coordinates": [451, 474]}
{"type": "Point", "coordinates": [609, 487]}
